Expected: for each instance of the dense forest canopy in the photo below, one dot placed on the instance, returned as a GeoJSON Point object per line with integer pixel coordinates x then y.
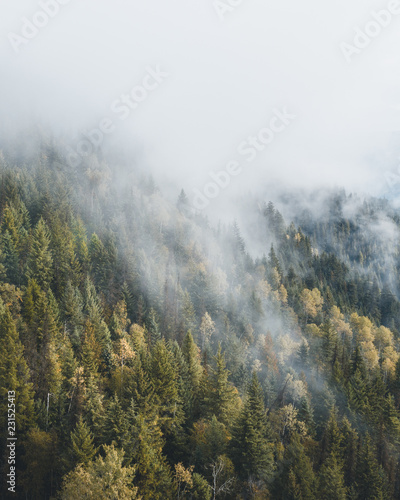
{"type": "Point", "coordinates": [153, 355]}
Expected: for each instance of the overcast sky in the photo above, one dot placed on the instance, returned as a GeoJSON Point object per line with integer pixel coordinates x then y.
{"type": "Point", "coordinates": [229, 72]}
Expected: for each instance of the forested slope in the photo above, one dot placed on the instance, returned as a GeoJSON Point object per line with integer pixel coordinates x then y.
{"type": "Point", "coordinates": [154, 356]}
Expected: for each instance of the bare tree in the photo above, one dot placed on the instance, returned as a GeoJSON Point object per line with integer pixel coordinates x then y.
{"type": "Point", "coordinates": [217, 467]}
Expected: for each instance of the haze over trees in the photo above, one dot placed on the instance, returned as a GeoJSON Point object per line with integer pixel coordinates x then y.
{"type": "Point", "coordinates": [155, 356]}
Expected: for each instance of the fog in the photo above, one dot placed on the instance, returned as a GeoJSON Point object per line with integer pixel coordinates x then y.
{"type": "Point", "coordinates": [224, 72]}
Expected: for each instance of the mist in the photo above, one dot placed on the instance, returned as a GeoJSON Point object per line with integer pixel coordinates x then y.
{"type": "Point", "coordinates": [226, 71]}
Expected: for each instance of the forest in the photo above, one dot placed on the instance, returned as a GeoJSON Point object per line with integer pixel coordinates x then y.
{"type": "Point", "coordinates": [157, 354]}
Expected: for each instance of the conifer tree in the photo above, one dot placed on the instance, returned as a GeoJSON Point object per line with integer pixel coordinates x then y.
{"type": "Point", "coordinates": [331, 480]}
{"type": "Point", "coordinates": [82, 447]}
{"type": "Point", "coordinates": [40, 260]}
{"type": "Point", "coordinates": [164, 378]}
{"type": "Point", "coordinates": [14, 375]}
{"type": "Point", "coordinates": [154, 477]}
{"type": "Point", "coordinates": [191, 376]}
{"type": "Point", "coordinates": [252, 452]}
{"type": "Point", "coordinates": [153, 327]}
{"type": "Point", "coordinates": [370, 476]}
{"type": "Point", "coordinates": [297, 480]}
{"type": "Point", "coordinates": [187, 312]}
{"type": "Point", "coordinates": [73, 313]}
{"type": "Point", "coordinates": [9, 259]}
{"type": "Point", "coordinates": [349, 452]}
{"type": "Point", "coordinates": [140, 388]}
{"type": "Point", "coordinates": [42, 339]}
{"type": "Point", "coordinates": [221, 397]}
{"type": "Point", "coordinates": [332, 438]}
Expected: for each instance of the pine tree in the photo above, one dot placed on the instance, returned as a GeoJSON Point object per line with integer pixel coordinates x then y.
{"type": "Point", "coordinates": [332, 438]}
{"type": "Point", "coordinates": [40, 260]}
{"type": "Point", "coordinates": [90, 351]}
{"type": "Point", "coordinates": [183, 204]}
{"type": "Point", "coordinates": [370, 475]}
{"type": "Point", "coordinates": [94, 411]}
{"type": "Point", "coordinates": [208, 440]}
{"type": "Point", "coordinates": [42, 340]}
{"type": "Point", "coordinates": [14, 376]}
{"type": "Point", "coordinates": [42, 463]}
{"type": "Point", "coordinates": [93, 310]}
{"type": "Point", "coordinates": [9, 259]}
{"type": "Point", "coordinates": [66, 267]}
{"type": "Point", "coordinates": [187, 312]}
{"type": "Point", "coordinates": [297, 480]}
{"type": "Point", "coordinates": [140, 388]}
{"type": "Point", "coordinates": [252, 452]}
{"type": "Point", "coordinates": [349, 452]}
{"type": "Point", "coordinates": [330, 343]}
{"type": "Point", "coordinates": [82, 447]}
{"type": "Point", "coordinates": [154, 477]}
{"type": "Point", "coordinates": [191, 376]}
{"type": "Point", "coordinates": [116, 424]}
{"type": "Point", "coordinates": [164, 378]}
{"type": "Point", "coordinates": [221, 397]}
{"type": "Point", "coordinates": [331, 480]}
{"type": "Point", "coordinates": [306, 415]}
{"type": "Point", "coordinates": [191, 354]}
{"type": "Point", "coordinates": [153, 327]}
{"type": "Point", "coordinates": [357, 392]}
{"type": "Point", "coordinates": [73, 313]}
{"type": "Point", "coordinates": [200, 489]}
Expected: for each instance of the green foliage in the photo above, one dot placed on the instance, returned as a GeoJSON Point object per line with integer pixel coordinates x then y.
{"type": "Point", "coordinates": [40, 260]}
{"type": "Point", "coordinates": [221, 398]}
{"type": "Point", "coordinates": [201, 489]}
{"type": "Point", "coordinates": [14, 376]}
{"type": "Point", "coordinates": [252, 451]}
{"type": "Point", "coordinates": [82, 446]}
{"type": "Point", "coordinates": [156, 345]}
{"type": "Point", "coordinates": [331, 480]}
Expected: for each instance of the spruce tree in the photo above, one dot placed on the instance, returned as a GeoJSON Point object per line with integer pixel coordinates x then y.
{"type": "Point", "coordinates": [164, 378]}
{"type": "Point", "coordinates": [221, 397]}
{"type": "Point", "coordinates": [331, 480]}
{"type": "Point", "coordinates": [40, 260]}
{"type": "Point", "coordinates": [14, 376]}
{"type": "Point", "coordinates": [297, 480]}
{"type": "Point", "coordinates": [82, 447]}
{"type": "Point", "coordinates": [370, 475]}
{"type": "Point", "coordinates": [251, 447]}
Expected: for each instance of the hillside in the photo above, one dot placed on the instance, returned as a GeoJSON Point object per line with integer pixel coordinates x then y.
{"type": "Point", "coordinates": [153, 355]}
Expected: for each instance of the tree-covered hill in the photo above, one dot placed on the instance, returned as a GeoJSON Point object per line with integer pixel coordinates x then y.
{"type": "Point", "coordinates": [154, 356]}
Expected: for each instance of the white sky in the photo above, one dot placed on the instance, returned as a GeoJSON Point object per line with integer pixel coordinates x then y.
{"type": "Point", "coordinates": [225, 79]}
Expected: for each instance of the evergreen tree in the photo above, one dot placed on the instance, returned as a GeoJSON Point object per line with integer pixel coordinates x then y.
{"type": "Point", "coordinates": [82, 447]}
{"type": "Point", "coordinates": [251, 448]}
{"type": "Point", "coordinates": [370, 476]}
{"type": "Point", "coordinates": [191, 376]}
{"type": "Point", "coordinates": [14, 376]}
{"type": "Point", "coordinates": [221, 397]}
{"type": "Point", "coordinates": [164, 378]}
{"type": "Point", "coordinates": [331, 480]}
{"type": "Point", "coordinates": [153, 473]}
{"type": "Point", "coordinates": [40, 260]}
{"type": "Point", "coordinates": [297, 480]}
{"type": "Point", "coordinates": [9, 259]}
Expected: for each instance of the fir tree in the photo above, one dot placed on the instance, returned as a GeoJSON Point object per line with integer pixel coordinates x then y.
{"type": "Point", "coordinates": [252, 452]}
{"type": "Point", "coordinates": [221, 398]}
{"type": "Point", "coordinates": [82, 447]}
{"type": "Point", "coordinates": [14, 376]}
{"type": "Point", "coordinates": [40, 259]}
